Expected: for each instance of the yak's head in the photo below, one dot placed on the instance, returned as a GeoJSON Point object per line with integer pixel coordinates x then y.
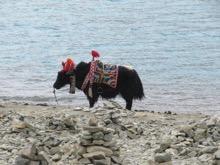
{"type": "Point", "coordinates": [66, 75]}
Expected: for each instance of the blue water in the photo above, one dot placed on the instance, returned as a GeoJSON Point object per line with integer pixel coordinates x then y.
{"type": "Point", "coordinates": [174, 46]}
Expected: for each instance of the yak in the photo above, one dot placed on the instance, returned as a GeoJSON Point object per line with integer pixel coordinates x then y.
{"type": "Point", "coordinates": [129, 85]}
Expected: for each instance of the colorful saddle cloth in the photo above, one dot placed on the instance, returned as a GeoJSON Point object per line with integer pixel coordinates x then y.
{"type": "Point", "coordinates": [102, 74]}
{"type": "Point", "coordinates": [106, 74]}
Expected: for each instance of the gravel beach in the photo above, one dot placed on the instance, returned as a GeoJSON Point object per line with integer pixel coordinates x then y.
{"type": "Point", "coordinates": [105, 135]}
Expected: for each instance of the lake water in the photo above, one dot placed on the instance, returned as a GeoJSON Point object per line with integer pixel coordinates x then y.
{"type": "Point", "coordinates": [174, 46]}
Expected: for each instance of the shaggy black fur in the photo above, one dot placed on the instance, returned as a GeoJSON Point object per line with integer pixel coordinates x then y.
{"type": "Point", "coordinates": [129, 85]}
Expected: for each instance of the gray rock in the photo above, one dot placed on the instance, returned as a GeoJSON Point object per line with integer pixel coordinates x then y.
{"type": "Point", "coordinates": [162, 157]}
{"type": "Point", "coordinates": [98, 142]}
{"type": "Point", "coordinates": [115, 148]}
{"type": "Point", "coordinates": [139, 130]}
{"type": "Point", "coordinates": [115, 115]}
{"type": "Point", "coordinates": [54, 150]}
{"type": "Point", "coordinates": [56, 124]}
{"type": "Point", "coordinates": [108, 137]}
{"type": "Point", "coordinates": [184, 152]}
{"type": "Point", "coordinates": [35, 163]}
{"type": "Point", "coordinates": [158, 150]}
{"type": "Point", "coordinates": [88, 137]}
{"type": "Point", "coordinates": [85, 142]}
{"type": "Point", "coordinates": [109, 162]}
{"type": "Point", "coordinates": [217, 155]}
{"type": "Point", "coordinates": [165, 144]}
{"type": "Point", "coordinates": [18, 124]}
{"type": "Point", "coordinates": [93, 121]}
{"type": "Point", "coordinates": [132, 135]}
{"type": "Point", "coordinates": [205, 158]}
{"type": "Point", "coordinates": [21, 161]}
{"type": "Point", "coordinates": [200, 133]}
{"type": "Point", "coordinates": [110, 144]}
{"type": "Point", "coordinates": [100, 162]}
{"type": "Point", "coordinates": [98, 136]}
{"type": "Point", "coordinates": [202, 125]}
{"type": "Point", "coordinates": [107, 121]}
{"type": "Point", "coordinates": [45, 160]}
{"type": "Point", "coordinates": [187, 129]}
{"type": "Point", "coordinates": [51, 142]}
{"type": "Point", "coordinates": [116, 159]}
{"type": "Point", "coordinates": [172, 151]}
{"type": "Point", "coordinates": [29, 152]}
{"type": "Point", "coordinates": [70, 123]}
{"type": "Point", "coordinates": [210, 123]}
{"type": "Point", "coordinates": [95, 155]}
{"type": "Point", "coordinates": [107, 151]}
{"type": "Point", "coordinates": [217, 162]}
{"type": "Point", "coordinates": [6, 147]}
{"type": "Point", "coordinates": [84, 161]}
{"type": "Point", "coordinates": [209, 149]}
{"type": "Point", "coordinates": [56, 157]}
{"type": "Point", "coordinates": [192, 154]}
{"type": "Point", "coordinates": [92, 129]}
{"type": "Point", "coordinates": [81, 150]}
{"type": "Point", "coordinates": [108, 130]}
{"type": "Point", "coordinates": [116, 118]}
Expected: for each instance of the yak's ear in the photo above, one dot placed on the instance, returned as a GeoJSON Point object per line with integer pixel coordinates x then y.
{"type": "Point", "coordinates": [71, 73]}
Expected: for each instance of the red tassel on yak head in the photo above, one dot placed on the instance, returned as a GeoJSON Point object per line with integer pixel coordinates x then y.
{"type": "Point", "coordinates": [68, 65]}
{"type": "Point", "coordinates": [95, 54]}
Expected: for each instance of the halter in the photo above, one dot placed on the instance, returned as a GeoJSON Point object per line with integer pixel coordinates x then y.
{"type": "Point", "coordinates": [54, 92]}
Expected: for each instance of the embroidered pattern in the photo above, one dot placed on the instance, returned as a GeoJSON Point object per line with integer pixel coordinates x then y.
{"type": "Point", "coordinates": [102, 74]}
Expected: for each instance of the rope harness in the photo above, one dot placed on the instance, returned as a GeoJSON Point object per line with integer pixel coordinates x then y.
{"type": "Point", "coordinates": [54, 92]}
{"type": "Point", "coordinates": [90, 75]}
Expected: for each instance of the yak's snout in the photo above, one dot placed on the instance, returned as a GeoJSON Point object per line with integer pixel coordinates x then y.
{"type": "Point", "coordinates": [61, 81]}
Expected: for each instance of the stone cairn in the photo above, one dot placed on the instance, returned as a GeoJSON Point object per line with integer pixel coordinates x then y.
{"type": "Point", "coordinates": [31, 156]}
{"type": "Point", "coordinates": [114, 120]}
{"type": "Point", "coordinates": [97, 145]}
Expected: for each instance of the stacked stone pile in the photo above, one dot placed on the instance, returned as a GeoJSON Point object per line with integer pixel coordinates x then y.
{"type": "Point", "coordinates": [65, 123]}
{"type": "Point", "coordinates": [97, 145]}
{"type": "Point", "coordinates": [115, 120]}
{"type": "Point", "coordinates": [31, 156]}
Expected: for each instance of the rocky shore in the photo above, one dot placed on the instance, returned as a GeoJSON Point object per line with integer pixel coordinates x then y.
{"type": "Point", "coordinates": [106, 135]}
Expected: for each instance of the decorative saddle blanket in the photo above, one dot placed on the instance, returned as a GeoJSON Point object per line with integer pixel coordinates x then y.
{"type": "Point", "coordinates": [102, 74]}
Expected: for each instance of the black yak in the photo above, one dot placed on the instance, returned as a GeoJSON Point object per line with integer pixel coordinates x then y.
{"type": "Point", "coordinates": [129, 85]}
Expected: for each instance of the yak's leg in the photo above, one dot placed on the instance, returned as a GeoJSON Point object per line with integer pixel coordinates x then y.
{"type": "Point", "coordinates": [128, 98]}
{"type": "Point", "coordinates": [129, 104]}
{"type": "Point", "coordinates": [91, 103]}
{"type": "Point", "coordinates": [92, 100]}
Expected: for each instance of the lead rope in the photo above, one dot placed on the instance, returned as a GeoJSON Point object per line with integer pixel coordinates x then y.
{"type": "Point", "coordinates": [54, 92]}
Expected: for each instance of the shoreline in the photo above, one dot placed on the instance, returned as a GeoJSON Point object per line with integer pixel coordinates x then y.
{"type": "Point", "coordinates": [138, 106]}
{"type": "Point", "coordinates": [144, 138]}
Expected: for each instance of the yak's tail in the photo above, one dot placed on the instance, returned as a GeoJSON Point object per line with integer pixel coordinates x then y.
{"type": "Point", "coordinates": [138, 90]}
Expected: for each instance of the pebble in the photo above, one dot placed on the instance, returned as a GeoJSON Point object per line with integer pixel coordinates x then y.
{"type": "Point", "coordinates": [94, 155]}
{"type": "Point", "coordinates": [217, 155]}
{"type": "Point", "coordinates": [209, 150]}
{"type": "Point", "coordinates": [93, 121]}
{"type": "Point", "coordinates": [108, 152]}
{"type": "Point", "coordinates": [162, 157]}
{"type": "Point", "coordinates": [56, 157]}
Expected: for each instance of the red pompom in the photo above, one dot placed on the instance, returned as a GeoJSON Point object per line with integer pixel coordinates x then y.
{"type": "Point", "coordinates": [95, 54]}
{"type": "Point", "coordinates": [68, 65]}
